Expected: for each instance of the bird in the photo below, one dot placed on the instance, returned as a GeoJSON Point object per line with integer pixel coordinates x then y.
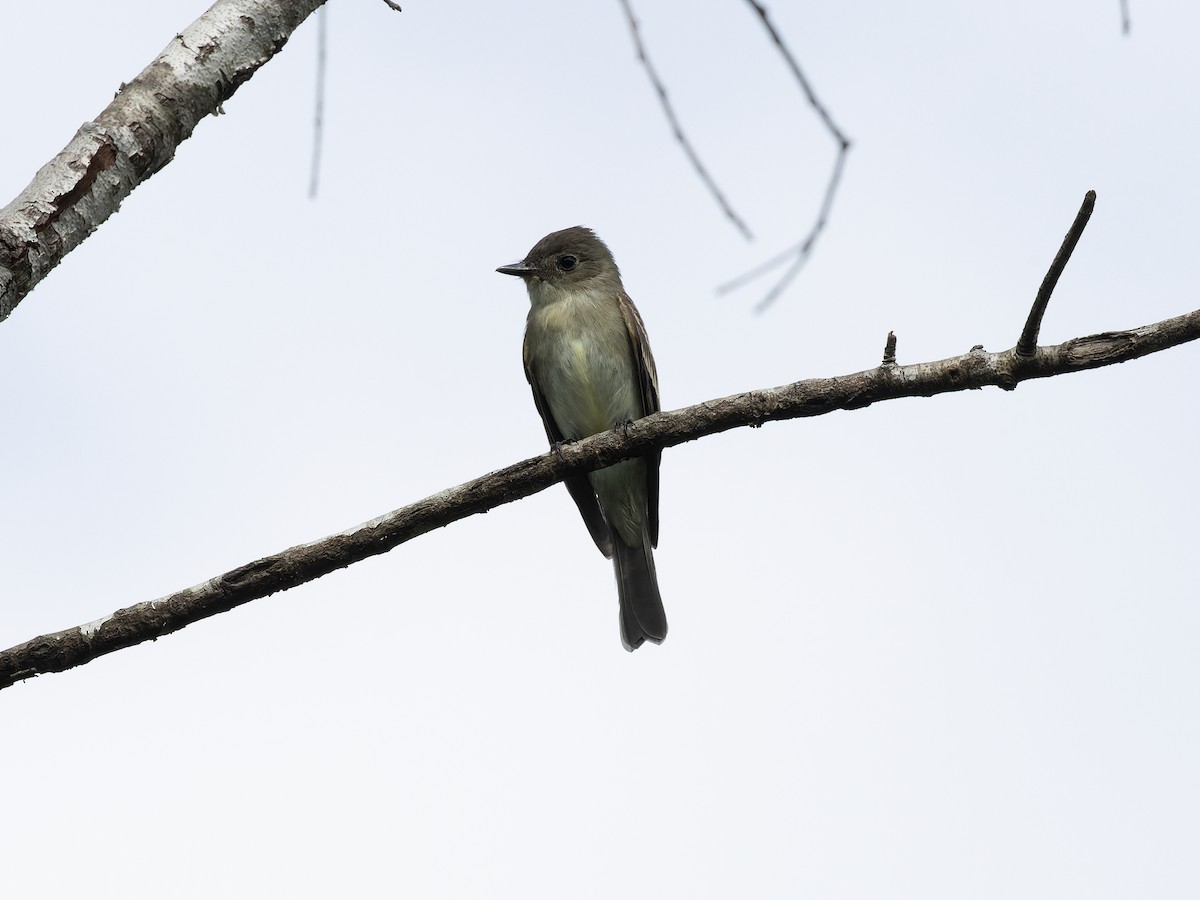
{"type": "Point", "coordinates": [588, 362]}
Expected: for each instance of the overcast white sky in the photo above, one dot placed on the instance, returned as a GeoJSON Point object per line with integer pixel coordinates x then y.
{"type": "Point", "coordinates": [935, 648]}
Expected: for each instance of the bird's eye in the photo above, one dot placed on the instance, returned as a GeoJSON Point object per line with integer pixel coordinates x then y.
{"type": "Point", "coordinates": [567, 263]}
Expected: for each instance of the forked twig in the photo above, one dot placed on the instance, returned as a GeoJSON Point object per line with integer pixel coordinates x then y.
{"type": "Point", "coordinates": [799, 252]}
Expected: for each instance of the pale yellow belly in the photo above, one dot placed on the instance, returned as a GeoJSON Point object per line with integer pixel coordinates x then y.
{"type": "Point", "coordinates": [590, 388]}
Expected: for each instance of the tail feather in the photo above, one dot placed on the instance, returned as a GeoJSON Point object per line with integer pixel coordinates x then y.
{"type": "Point", "coordinates": [642, 615]}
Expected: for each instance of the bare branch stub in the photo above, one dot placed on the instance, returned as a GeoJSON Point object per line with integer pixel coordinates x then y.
{"type": "Point", "coordinates": [798, 253]}
{"type": "Point", "coordinates": [1033, 325]}
{"type": "Point", "coordinates": [1125, 17]}
{"type": "Point", "coordinates": [889, 350]}
{"type": "Point", "coordinates": [676, 128]}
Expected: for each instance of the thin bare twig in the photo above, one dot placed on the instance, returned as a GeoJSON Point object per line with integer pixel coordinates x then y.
{"type": "Point", "coordinates": [318, 105]}
{"type": "Point", "coordinates": [803, 248]}
{"type": "Point", "coordinates": [73, 647]}
{"type": "Point", "coordinates": [1033, 325]}
{"type": "Point", "coordinates": [799, 253]}
{"type": "Point", "coordinates": [816, 104]}
{"type": "Point", "coordinates": [673, 121]}
{"type": "Point", "coordinates": [1125, 17]}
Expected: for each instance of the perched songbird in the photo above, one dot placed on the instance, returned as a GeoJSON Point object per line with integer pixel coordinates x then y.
{"type": "Point", "coordinates": [589, 364]}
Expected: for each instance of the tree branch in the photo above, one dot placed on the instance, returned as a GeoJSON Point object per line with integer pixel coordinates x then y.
{"type": "Point", "coordinates": [838, 134]}
{"type": "Point", "coordinates": [676, 128]}
{"type": "Point", "coordinates": [64, 650]}
{"type": "Point", "coordinates": [137, 134]}
{"type": "Point", "coordinates": [1033, 325]}
{"type": "Point", "coordinates": [799, 252]}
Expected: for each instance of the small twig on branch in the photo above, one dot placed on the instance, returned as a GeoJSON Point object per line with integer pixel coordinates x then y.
{"type": "Point", "coordinates": [814, 397]}
{"type": "Point", "coordinates": [673, 121]}
{"type": "Point", "coordinates": [803, 248]}
{"type": "Point", "coordinates": [318, 105]}
{"type": "Point", "coordinates": [889, 350]}
{"type": "Point", "coordinates": [1125, 17]}
{"type": "Point", "coordinates": [1033, 325]}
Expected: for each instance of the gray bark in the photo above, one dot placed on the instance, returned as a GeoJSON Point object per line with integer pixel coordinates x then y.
{"type": "Point", "coordinates": [814, 397]}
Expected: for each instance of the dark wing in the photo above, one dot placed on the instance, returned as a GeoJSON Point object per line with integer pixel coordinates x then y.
{"type": "Point", "coordinates": [578, 486]}
{"type": "Point", "coordinates": [648, 381]}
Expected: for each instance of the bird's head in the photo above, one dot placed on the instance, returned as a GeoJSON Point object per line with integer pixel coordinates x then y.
{"type": "Point", "coordinates": [571, 259]}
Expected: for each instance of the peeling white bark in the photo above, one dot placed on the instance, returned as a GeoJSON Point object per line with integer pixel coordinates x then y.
{"type": "Point", "coordinates": [136, 135]}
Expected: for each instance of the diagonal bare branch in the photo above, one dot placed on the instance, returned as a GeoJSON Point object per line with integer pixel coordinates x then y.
{"type": "Point", "coordinates": [676, 128]}
{"type": "Point", "coordinates": [799, 253]}
{"type": "Point", "coordinates": [977, 368]}
{"type": "Point", "coordinates": [137, 134]}
{"type": "Point", "coordinates": [816, 104]}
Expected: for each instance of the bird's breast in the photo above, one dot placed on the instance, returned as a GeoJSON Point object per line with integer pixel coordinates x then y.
{"type": "Point", "coordinates": [582, 360]}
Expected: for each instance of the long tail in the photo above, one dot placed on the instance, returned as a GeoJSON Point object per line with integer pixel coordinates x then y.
{"type": "Point", "coordinates": [642, 615]}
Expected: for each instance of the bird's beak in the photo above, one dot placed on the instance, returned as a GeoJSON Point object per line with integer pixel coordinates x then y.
{"type": "Point", "coordinates": [521, 270]}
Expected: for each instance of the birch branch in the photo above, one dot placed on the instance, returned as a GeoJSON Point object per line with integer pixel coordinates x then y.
{"type": "Point", "coordinates": [137, 134]}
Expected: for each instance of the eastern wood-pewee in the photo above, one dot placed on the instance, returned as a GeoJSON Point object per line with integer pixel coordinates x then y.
{"type": "Point", "coordinates": [589, 364]}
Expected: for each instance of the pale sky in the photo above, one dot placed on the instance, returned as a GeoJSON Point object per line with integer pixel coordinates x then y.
{"type": "Point", "coordinates": [936, 648]}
